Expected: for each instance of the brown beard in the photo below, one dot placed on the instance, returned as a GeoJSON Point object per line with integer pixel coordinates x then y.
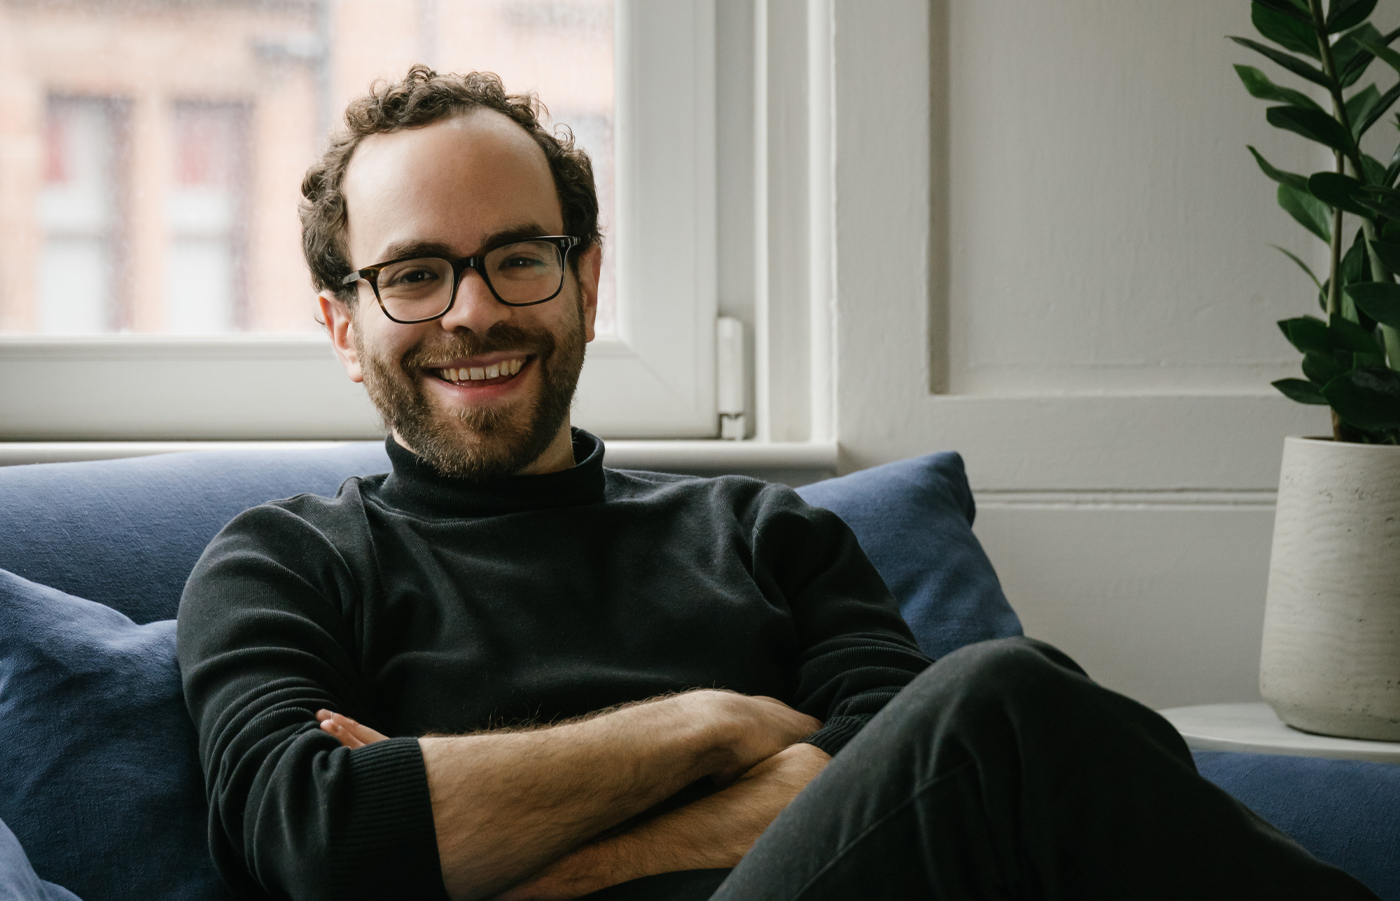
{"type": "Point", "coordinates": [478, 444]}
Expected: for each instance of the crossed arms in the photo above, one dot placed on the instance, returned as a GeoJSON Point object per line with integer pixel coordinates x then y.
{"type": "Point", "coordinates": [519, 815]}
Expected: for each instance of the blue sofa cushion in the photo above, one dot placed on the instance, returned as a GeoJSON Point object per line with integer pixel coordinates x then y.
{"type": "Point", "coordinates": [1346, 812]}
{"type": "Point", "coordinates": [18, 881]}
{"type": "Point", "coordinates": [913, 519]}
{"type": "Point", "coordinates": [128, 532]}
{"type": "Point", "coordinates": [101, 780]}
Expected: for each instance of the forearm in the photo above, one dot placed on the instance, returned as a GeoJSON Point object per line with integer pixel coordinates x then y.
{"type": "Point", "coordinates": [507, 804]}
{"type": "Point", "coordinates": [714, 832]}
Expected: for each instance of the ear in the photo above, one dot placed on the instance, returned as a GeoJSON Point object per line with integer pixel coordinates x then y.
{"type": "Point", "coordinates": [340, 324]}
{"type": "Point", "coordinates": [590, 267]}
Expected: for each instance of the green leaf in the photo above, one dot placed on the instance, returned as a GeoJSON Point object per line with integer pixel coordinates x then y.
{"type": "Point", "coordinates": [1293, 8]}
{"type": "Point", "coordinates": [1343, 334]}
{"type": "Point", "coordinates": [1291, 63]}
{"type": "Point", "coordinates": [1356, 263]}
{"type": "Point", "coordinates": [1375, 172]}
{"type": "Point", "coordinates": [1359, 106]}
{"type": "Point", "coordinates": [1346, 14]}
{"type": "Point", "coordinates": [1352, 59]}
{"type": "Point", "coordinates": [1393, 170]}
{"type": "Point", "coordinates": [1371, 201]}
{"type": "Point", "coordinates": [1307, 333]}
{"type": "Point", "coordinates": [1301, 264]}
{"type": "Point", "coordinates": [1285, 30]}
{"type": "Point", "coordinates": [1312, 125]}
{"type": "Point", "coordinates": [1359, 360]}
{"type": "Point", "coordinates": [1301, 391]}
{"type": "Point", "coordinates": [1293, 180]}
{"type": "Point", "coordinates": [1337, 191]}
{"type": "Point", "coordinates": [1311, 213]}
{"type": "Point", "coordinates": [1379, 300]}
{"type": "Point", "coordinates": [1373, 115]}
{"type": "Point", "coordinates": [1259, 85]}
{"type": "Point", "coordinates": [1386, 55]}
{"type": "Point", "coordinates": [1368, 398]}
{"type": "Point", "coordinates": [1389, 254]}
{"type": "Point", "coordinates": [1322, 368]}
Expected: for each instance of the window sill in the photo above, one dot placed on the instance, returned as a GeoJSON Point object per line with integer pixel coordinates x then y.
{"type": "Point", "coordinates": [790, 462]}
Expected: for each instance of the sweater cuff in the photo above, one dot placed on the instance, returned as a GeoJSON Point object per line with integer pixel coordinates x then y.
{"type": "Point", "coordinates": [837, 731]}
{"type": "Point", "coordinates": [389, 846]}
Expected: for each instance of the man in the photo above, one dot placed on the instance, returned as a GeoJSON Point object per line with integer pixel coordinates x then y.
{"type": "Point", "coordinates": [504, 671]}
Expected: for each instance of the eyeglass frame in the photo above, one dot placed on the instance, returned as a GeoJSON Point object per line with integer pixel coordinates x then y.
{"type": "Point", "coordinates": [460, 265]}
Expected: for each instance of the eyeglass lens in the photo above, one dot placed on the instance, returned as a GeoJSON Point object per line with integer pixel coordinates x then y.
{"type": "Point", "coordinates": [522, 273]}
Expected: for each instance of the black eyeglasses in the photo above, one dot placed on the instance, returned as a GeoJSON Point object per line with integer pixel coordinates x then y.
{"type": "Point", "coordinates": [421, 289]}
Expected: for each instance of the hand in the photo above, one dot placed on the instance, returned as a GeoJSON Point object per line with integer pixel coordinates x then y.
{"type": "Point", "coordinates": [352, 734]}
{"type": "Point", "coordinates": [758, 728]}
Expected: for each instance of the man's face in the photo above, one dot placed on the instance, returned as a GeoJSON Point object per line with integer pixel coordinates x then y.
{"type": "Point", "coordinates": [453, 189]}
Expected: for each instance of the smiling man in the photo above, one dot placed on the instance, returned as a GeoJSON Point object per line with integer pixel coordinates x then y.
{"type": "Point", "coordinates": [503, 670]}
{"type": "Point", "coordinates": [471, 365]}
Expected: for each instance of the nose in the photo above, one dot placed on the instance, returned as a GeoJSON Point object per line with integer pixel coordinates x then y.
{"type": "Point", "coordinates": [476, 308]}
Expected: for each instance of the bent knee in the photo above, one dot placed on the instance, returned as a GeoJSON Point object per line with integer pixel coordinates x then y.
{"type": "Point", "coordinates": [1005, 671]}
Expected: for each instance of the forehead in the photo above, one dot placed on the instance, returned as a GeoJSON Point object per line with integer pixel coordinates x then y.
{"type": "Point", "coordinates": [455, 182]}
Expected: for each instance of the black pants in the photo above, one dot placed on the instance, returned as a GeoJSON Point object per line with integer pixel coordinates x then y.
{"type": "Point", "coordinates": [1003, 772]}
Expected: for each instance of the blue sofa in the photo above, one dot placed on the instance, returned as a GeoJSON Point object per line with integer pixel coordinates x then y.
{"type": "Point", "coordinates": [101, 795]}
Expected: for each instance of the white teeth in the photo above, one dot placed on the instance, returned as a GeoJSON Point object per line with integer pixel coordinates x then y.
{"type": "Point", "coordinates": [473, 373]}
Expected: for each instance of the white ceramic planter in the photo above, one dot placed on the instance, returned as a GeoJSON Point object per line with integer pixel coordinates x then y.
{"type": "Point", "coordinates": [1331, 654]}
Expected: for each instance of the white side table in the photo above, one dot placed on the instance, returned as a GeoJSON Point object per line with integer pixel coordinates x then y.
{"type": "Point", "coordinates": [1256, 728]}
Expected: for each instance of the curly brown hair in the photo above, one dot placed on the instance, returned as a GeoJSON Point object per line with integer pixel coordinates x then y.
{"type": "Point", "coordinates": [422, 98]}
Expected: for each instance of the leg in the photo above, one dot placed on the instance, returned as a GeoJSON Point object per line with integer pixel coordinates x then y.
{"type": "Point", "coordinates": [1003, 772]}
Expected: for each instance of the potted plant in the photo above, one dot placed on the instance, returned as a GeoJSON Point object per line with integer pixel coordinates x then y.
{"type": "Point", "coordinates": [1330, 660]}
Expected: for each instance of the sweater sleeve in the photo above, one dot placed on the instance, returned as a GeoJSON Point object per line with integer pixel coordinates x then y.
{"type": "Point", "coordinates": [856, 650]}
{"type": "Point", "coordinates": [265, 639]}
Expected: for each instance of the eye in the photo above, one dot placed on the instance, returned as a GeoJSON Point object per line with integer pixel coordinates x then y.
{"type": "Point", "coordinates": [413, 276]}
{"type": "Point", "coordinates": [522, 261]}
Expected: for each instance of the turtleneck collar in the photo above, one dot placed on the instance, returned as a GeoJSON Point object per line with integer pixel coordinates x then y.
{"type": "Point", "coordinates": [415, 486]}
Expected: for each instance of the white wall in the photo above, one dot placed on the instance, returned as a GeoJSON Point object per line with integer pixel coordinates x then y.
{"type": "Point", "coordinates": [1046, 209]}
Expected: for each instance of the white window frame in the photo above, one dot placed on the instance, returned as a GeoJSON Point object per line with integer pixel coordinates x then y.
{"type": "Point", "coordinates": [655, 378]}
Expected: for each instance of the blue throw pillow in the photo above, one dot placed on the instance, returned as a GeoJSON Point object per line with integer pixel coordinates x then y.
{"type": "Point", "coordinates": [101, 780]}
{"type": "Point", "coordinates": [1346, 812]}
{"type": "Point", "coordinates": [126, 533]}
{"type": "Point", "coordinates": [914, 518]}
{"type": "Point", "coordinates": [18, 881]}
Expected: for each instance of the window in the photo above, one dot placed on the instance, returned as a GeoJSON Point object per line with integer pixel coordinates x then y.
{"type": "Point", "coordinates": [78, 282]}
{"type": "Point", "coordinates": [162, 215]}
{"type": "Point", "coordinates": [206, 224]}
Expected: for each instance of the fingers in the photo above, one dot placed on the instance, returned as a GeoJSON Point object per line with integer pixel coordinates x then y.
{"type": "Point", "coordinates": [350, 733]}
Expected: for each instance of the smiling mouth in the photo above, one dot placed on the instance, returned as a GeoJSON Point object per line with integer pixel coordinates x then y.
{"type": "Point", "coordinates": [497, 373]}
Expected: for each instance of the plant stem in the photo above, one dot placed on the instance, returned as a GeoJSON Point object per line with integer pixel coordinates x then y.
{"type": "Point", "coordinates": [1329, 68]}
{"type": "Point", "coordinates": [1334, 291]}
{"type": "Point", "coordinates": [1390, 336]}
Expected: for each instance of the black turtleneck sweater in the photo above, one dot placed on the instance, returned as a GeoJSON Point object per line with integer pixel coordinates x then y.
{"type": "Point", "coordinates": [418, 603]}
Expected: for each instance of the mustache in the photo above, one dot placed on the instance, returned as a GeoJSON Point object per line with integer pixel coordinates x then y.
{"type": "Point", "coordinates": [500, 337]}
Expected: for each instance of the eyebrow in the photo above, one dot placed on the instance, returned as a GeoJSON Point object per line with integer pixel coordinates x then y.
{"type": "Point", "coordinates": [401, 250]}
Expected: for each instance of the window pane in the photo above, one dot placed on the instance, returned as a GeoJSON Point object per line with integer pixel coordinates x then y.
{"type": "Point", "coordinates": [153, 151]}
{"type": "Point", "coordinates": [79, 217]}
